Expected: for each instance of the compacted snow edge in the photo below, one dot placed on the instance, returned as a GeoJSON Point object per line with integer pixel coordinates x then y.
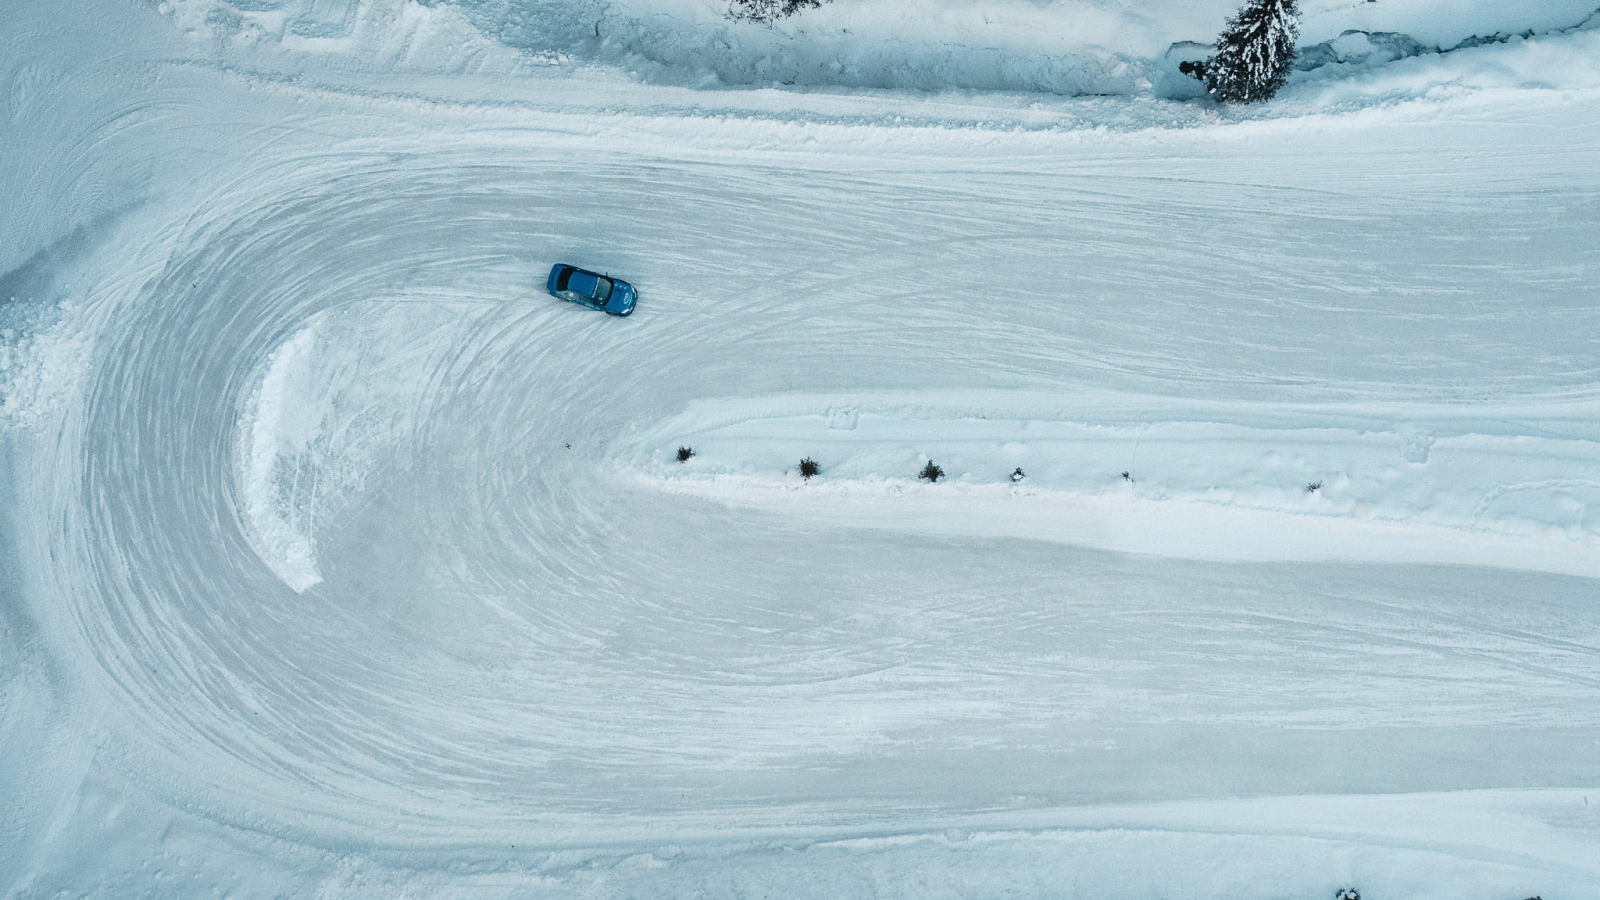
{"type": "Point", "coordinates": [1214, 482]}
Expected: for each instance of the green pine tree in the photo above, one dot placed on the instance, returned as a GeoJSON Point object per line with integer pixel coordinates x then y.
{"type": "Point", "coordinates": [768, 11]}
{"type": "Point", "coordinates": [1254, 53]}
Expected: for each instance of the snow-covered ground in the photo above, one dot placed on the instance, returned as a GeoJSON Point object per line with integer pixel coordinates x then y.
{"type": "Point", "coordinates": [339, 560]}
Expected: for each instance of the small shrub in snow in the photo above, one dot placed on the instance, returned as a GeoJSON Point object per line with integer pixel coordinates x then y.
{"type": "Point", "coordinates": [1312, 488]}
{"type": "Point", "coordinates": [1126, 477]}
{"type": "Point", "coordinates": [1017, 475]}
{"type": "Point", "coordinates": [808, 468]}
{"type": "Point", "coordinates": [931, 472]}
{"type": "Point", "coordinates": [685, 454]}
{"type": "Point", "coordinates": [1347, 894]}
{"type": "Point", "coordinates": [1254, 53]}
{"type": "Point", "coordinates": [768, 10]}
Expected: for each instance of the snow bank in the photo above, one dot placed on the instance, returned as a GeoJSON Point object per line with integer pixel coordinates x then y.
{"type": "Point", "coordinates": [1138, 475]}
{"type": "Point", "coordinates": [45, 342]}
{"type": "Point", "coordinates": [1441, 24]}
{"type": "Point", "coordinates": [284, 420]}
{"type": "Point", "coordinates": [1070, 47]}
{"type": "Point", "coordinates": [41, 362]}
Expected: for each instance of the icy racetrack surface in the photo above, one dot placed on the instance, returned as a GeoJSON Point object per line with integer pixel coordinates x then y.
{"type": "Point", "coordinates": [341, 558]}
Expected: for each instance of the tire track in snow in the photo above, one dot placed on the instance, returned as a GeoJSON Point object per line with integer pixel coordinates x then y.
{"type": "Point", "coordinates": [511, 631]}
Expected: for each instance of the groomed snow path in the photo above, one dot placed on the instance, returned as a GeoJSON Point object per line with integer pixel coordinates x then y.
{"type": "Point", "coordinates": [342, 561]}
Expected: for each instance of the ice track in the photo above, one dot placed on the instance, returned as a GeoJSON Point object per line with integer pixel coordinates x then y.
{"type": "Point", "coordinates": [356, 552]}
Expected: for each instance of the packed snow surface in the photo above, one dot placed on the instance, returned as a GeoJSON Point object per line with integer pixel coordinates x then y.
{"type": "Point", "coordinates": [340, 560]}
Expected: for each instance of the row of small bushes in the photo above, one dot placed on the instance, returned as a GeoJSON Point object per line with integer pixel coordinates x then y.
{"type": "Point", "coordinates": [931, 472]}
{"type": "Point", "coordinates": [809, 468]}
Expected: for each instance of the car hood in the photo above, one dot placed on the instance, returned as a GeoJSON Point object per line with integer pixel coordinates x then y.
{"type": "Point", "coordinates": [622, 299]}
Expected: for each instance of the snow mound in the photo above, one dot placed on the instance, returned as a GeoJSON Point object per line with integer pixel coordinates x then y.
{"type": "Point", "coordinates": [272, 438]}
{"type": "Point", "coordinates": [39, 370]}
{"type": "Point", "coordinates": [1136, 475]}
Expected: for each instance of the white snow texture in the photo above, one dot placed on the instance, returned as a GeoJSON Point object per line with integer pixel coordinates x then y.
{"type": "Point", "coordinates": [337, 559]}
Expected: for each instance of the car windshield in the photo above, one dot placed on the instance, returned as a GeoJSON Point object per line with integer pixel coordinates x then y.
{"type": "Point", "coordinates": [602, 290]}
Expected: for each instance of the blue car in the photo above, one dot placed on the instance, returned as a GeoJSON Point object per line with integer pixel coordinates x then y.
{"type": "Point", "coordinates": [585, 288]}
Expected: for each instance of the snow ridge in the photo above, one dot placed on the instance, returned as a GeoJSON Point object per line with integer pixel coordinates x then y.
{"type": "Point", "coordinates": [276, 430]}
{"type": "Point", "coordinates": [1140, 475]}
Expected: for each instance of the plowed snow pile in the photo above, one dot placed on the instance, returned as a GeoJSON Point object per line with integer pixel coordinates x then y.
{"type": "Point", "coordinates": [338, 559]}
